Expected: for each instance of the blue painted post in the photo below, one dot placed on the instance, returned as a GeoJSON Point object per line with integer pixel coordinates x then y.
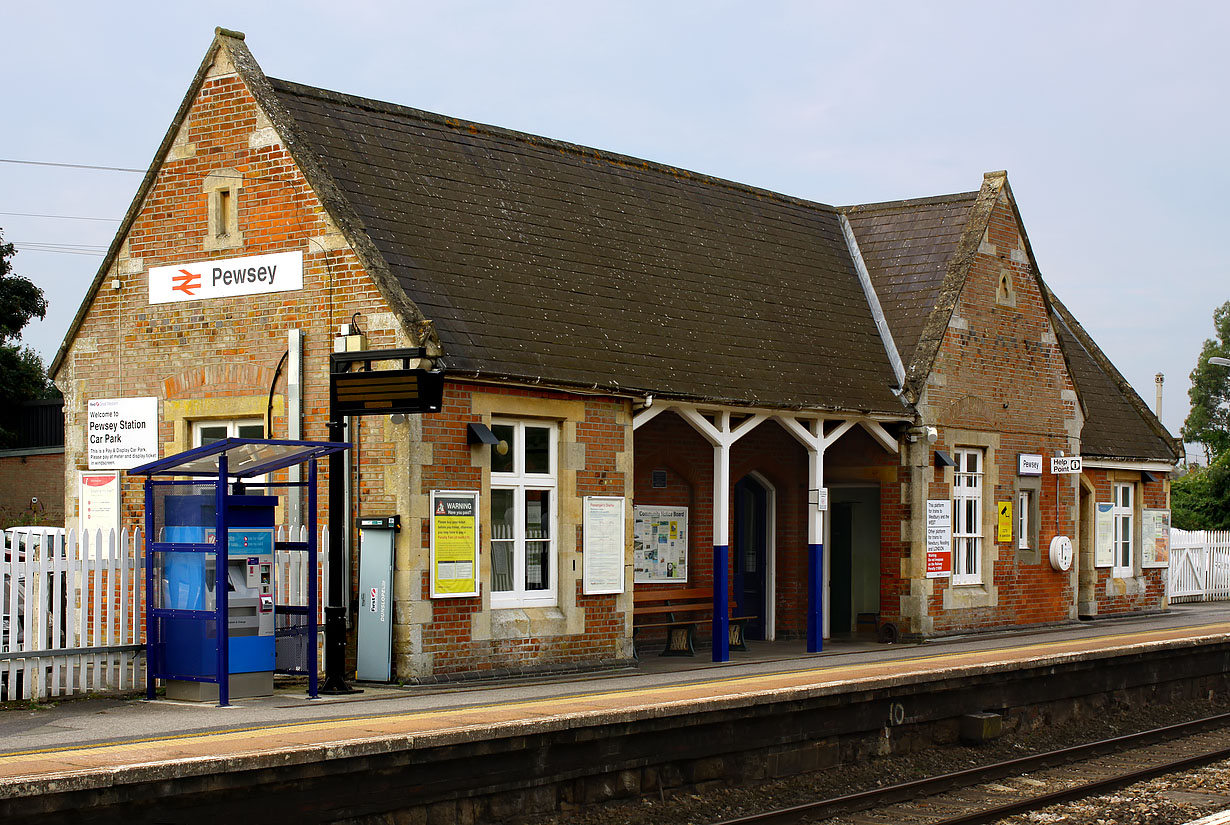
{"type": "Point", "coordinates": [815, 598]}
{"type": "Point", "coordinates": [313, 596]}
{"type": "Point", "coordinates": [151, 624]}
{"type": "Point", "coordinates": [220, 585]}
{"type": "Point", "coordinates": [721, 603]}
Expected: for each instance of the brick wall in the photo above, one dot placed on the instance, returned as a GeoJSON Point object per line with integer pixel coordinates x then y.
{"type": "Point", "coordinates": [1000, 385]}
{"type": "Point", "coordinates": [1145, 590]}
{"type": "Point", "coordinates": [218, 359]}
{"type": "Point", "coordinates": [40, 476]}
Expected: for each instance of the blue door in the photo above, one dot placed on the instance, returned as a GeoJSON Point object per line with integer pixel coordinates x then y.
{"type": "Point", "coordinates": [751, 539]}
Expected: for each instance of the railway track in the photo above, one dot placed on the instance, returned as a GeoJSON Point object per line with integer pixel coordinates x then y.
{"type": "Point", "coordinates": [978, 795]}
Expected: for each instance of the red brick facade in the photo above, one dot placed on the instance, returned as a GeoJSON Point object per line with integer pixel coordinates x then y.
{"type": "Point", "coordinates": [999, 385]}
{"type": "Point", "coordinates": [35, 475]}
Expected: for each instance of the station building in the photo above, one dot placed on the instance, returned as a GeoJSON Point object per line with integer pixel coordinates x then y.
{"type": "Point", "coordinates": [838, 419]}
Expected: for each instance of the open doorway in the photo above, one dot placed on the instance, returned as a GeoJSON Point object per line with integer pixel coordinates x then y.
{"type": "Point", "coordinates": [854, 558]}
{"type": "Point", "coordinates": [753, 551]}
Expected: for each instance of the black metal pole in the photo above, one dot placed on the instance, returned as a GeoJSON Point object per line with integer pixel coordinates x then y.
{"type": "Point", "coordinates": [339, 576]}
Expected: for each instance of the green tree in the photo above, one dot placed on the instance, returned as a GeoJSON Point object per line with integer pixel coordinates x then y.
{"type": "Point", "coordinates": [1208, 423]}
{"type": "Point", "coordinates": [1200, 500]}
{"type": "Point", "coordinates": [22, 374]}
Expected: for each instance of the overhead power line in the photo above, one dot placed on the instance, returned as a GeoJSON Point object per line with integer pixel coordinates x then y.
{"type": "Point", "coordinates": [62, 217]}
{"type": "Point", "coordinates": [71, 165]}
{"type": "Point", "coordinates": [62, 248]}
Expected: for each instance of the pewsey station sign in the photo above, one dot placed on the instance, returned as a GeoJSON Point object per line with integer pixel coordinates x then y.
{"type": "Point", "coordinates": [254, 275]}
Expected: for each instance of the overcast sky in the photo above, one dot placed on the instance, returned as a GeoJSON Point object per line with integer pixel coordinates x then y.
{"type": "Point", "coordinates": [1111, 119]}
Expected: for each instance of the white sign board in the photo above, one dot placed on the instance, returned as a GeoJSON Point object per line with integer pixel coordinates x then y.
{"type": "Point", "coordinates": [1066, 464]}
{"type": "Point", "coordinates": [819, 498]}
{"type": "Point", "coordinates": [603, 545]}
{"type": "Point", "coordinates": [121, 432]}
{"type": "Point", "coordinates": [98, 502]}
{"type": "Point", "coordinates": [1029, 465]}
{"type": "Point", "coordinates": [939, 538]}
{"type": "Point", "coordinates": [254, 275]}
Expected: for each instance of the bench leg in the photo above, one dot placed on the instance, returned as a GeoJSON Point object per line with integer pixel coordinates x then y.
{"type": "Point", "coordinates": [738, 636]}
{"type": "Point", "coordinates": [680, 640]}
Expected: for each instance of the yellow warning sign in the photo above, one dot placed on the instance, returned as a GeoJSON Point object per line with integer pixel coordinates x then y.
{"type": "Point", "coordinates": [1005, 521]}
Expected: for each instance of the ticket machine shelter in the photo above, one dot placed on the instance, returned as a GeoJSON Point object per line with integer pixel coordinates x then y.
{"type": "Point", "coordinates": [211, 535]}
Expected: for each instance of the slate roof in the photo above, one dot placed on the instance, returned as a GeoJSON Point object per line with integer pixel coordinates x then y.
{"type": "Point", "coordinates": [544, 261]}
{"type": "Point", "coordinates": [1118, 423]}
{"type": "Point", "coordinates": [907, 246]}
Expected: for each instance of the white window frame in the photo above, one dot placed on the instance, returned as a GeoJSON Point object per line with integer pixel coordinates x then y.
{"type": "Point", "coordinates": [232, 431]}
{"type": "Point", "coordinates": [1024, 532]}
{"type": "Point", "coordinates": [1123, 517]}
{"type": "Point", "coordinates": [967, 504]}
{"type": "Point", "coordinates": [232, 427]}
{"type": "Point", "coordinates": [520, 482]}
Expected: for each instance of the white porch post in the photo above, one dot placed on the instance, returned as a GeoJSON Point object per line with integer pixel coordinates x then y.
{"type": "Point", "coordinates": [722, 437]}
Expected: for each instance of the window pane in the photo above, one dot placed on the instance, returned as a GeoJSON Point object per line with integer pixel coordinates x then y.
{"type": "Point", "coordinates": [211, 433]}
{"type": "Point", "coordinates": [251, 430]}
{"type": "Point", "coordinates": [503, 525]}
{"type": "Point", "coordinates": [537, 514]}
{"type": "Point", "coordinates": [507, 434]}
{"type": "Point", "coordinates": [537, 450]}
{"type": "Point", "coordinates": [537, 565]}
{"type": "Point", "coordinates": [971, 460]}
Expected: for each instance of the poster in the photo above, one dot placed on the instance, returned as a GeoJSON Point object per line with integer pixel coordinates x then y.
{"type": "Point", "coordinates": [98, 505]}
{"type": "Point", "coordinates": [1004, 533]}
{"type": "Point", "coordinates": [1103, 535]}
{"type": "Point", "coordinates": [603, 545]}
{"type": "Point", "coordinates": [939, 538]}
{"type": "Point", "coordinates": [454, 544]}
{"type": "Point", "coordinates": [660, 544]}
{"type": "Point", "coordinates": [1155, 538]}
{"type": "Point", "coordinates": [122, 433]}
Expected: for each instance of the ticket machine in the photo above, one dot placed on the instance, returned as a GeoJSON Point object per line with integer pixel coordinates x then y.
{"type": "Point", "coordinates": [189, 583]}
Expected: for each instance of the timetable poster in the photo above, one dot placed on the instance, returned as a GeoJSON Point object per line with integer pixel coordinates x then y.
{"type": "Point", "coordinates": [1155, 538]}
{"type": "Point", "coordinates": [660, 544]}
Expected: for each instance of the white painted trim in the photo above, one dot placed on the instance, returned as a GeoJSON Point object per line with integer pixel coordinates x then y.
{"type": "Point", "coordinates": [646, 415]}
{"type": "Point", "coordinates": [873, 301]}
{"type": "Point", "coordinates": [881, 435]}
{"type": "Point", "coordinates": [1145, 466]}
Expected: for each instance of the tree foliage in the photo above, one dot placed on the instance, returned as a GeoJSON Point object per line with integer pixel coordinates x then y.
{"type": "Point", "coordinates": [1200, 500]}
{"type": "Point", "coordinates": [1208, 423]}
{"type": "Point", "coordinates": [22, 374]}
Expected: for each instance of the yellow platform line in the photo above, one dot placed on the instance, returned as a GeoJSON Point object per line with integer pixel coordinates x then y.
{"type": "Point", "coordinates": [296, 735]}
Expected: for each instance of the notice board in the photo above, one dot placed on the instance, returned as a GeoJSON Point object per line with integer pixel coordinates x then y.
{"type": "Point", "coordinates": [454, 543]}
{"type": "Point", "coordinates": [1155, 538]}
{"type": "Point", "coordinates": [603, 545]}
{"type": "Point", "coordinates": [660, 544]}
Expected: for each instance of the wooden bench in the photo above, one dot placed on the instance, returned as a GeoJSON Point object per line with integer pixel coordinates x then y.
{"type": "Point", "coordinates": [680, 610]}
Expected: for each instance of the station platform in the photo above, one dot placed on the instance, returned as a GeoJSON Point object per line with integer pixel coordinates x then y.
{"type": "Point", "coordinates": [75, 746]}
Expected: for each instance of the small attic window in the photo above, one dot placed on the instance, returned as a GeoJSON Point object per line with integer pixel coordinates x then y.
{"type": "Point", "coordinates": [1004, 293]}
{"type": "Point", "coordinates": [222, 216]}
{"type": "Point", "coordinates": [222, 188]}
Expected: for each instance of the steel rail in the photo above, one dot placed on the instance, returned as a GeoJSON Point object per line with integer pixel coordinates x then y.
{"type": "Point", "coordinates": [914, 789]}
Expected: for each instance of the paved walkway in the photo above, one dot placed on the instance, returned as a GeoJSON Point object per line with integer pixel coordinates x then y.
{"type": "Point", "coordinates": [91, 742]}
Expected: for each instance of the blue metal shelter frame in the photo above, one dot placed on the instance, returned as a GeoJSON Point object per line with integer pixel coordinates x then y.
{"type": "Point", "coordinates": [220, 462]}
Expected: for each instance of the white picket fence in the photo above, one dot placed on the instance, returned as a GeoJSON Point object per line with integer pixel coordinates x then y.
{"type": "Point", "coordinates": [1199, 566]}
{"type": "Point", "coordinates": [73, 610]}
{"type": "Point", "coordinates": [73, 614]}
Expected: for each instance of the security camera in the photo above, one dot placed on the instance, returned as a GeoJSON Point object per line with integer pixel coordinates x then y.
{"type": "Point", "coordinates": [933, 435]}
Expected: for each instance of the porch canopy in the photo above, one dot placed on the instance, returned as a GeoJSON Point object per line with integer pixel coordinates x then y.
{"type": "Point", "coordinates": [245, 457]}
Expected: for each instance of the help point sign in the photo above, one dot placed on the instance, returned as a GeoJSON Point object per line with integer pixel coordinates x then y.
{"type": "Point", "coordinates": [254, 275]}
